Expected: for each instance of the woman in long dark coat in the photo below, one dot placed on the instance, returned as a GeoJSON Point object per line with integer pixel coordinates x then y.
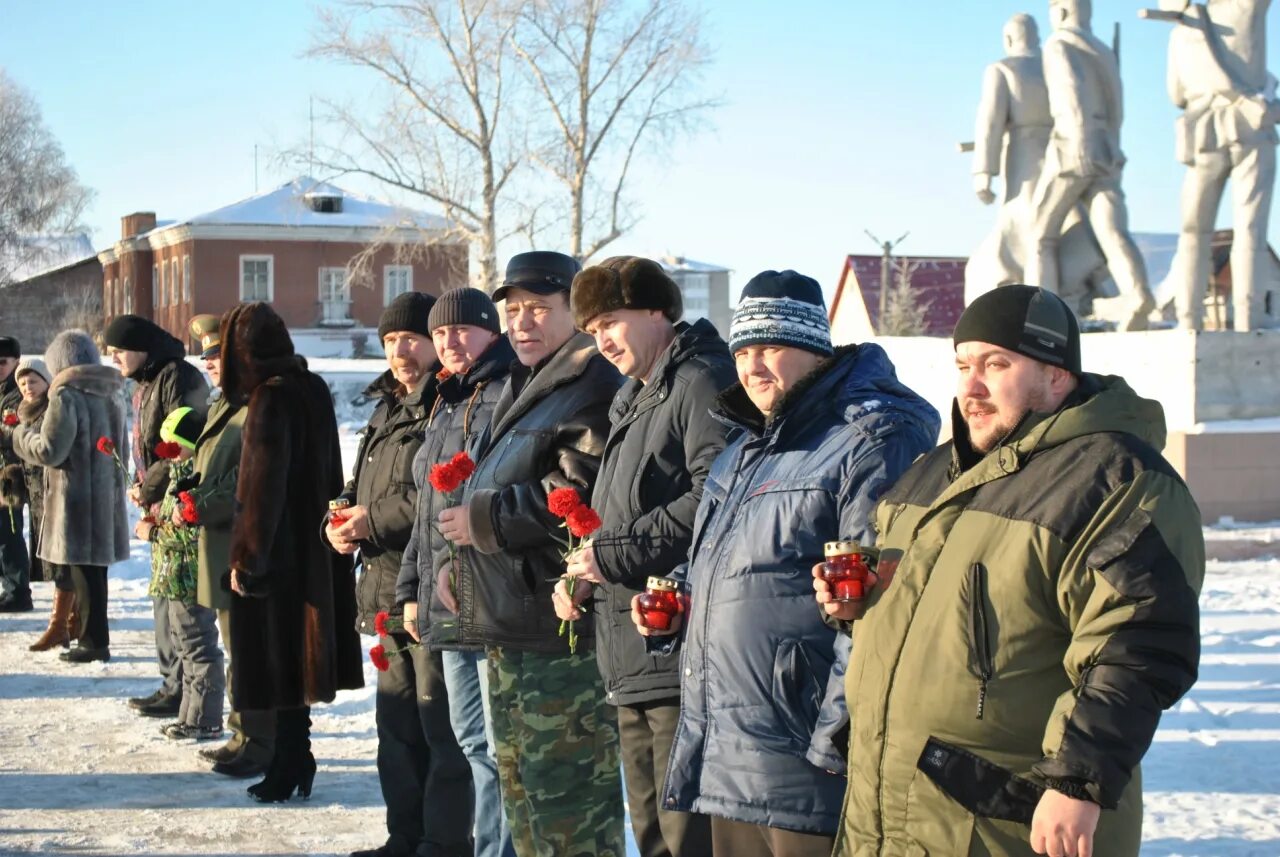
{"type": "Point", "coordinates": [293, 635]}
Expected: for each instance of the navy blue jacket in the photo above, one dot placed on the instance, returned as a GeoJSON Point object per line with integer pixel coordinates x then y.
{"type": "Point", "coordinates": [757, 657]}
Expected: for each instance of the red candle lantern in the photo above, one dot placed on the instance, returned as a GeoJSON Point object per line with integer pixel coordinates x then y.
{"type": "Point", "coordinates": [337, 511]}
{"type": "Point", "coordinates": [659, 604]}
{"type": "Point", "coordinates": [849, 569]}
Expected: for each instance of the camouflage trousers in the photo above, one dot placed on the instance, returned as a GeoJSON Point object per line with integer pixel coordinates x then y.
{"type": "Point", "coordinates": [558, 763]}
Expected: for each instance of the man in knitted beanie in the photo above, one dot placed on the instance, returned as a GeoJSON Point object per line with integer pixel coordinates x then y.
{"type": "Point", "coordinates": [1045, 565]}
{"type": "Point", "coordinates": [426, 781]}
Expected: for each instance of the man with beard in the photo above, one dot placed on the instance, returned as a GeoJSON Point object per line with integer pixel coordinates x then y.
{"type": "Point", "coordinates": [1035, 609]}
{"type": "Point", "coordinates": [425, 779]}
{"type": "Point", "coordinates": [164, 381]}
{"type": "Point", "coordinates": [15, 565]}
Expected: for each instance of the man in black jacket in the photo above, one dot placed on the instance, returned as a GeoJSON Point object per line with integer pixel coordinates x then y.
{"type": "Point", "coordinates": [426, 781]}
{"type": "Point", "coordinates": [164, 381]}
{"type": "Point", "coordinates": [661, 445]}
{"type": "Point", "coordinates": [556, 736]}
{"type": "Point", "coordinates": [15, 565]}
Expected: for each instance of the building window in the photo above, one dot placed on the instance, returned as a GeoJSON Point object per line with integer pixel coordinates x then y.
{"type": "Point", "coordinates": [257, 278]}
{"type": "Point", "coordinates": [696, 291]}
{"type": "Point", "coordinates": [186, 279]}
{"type": "Point", "coordinates": [157, 287]}
{"type": "Point", "coordinates": [335, 296]}
{"type": "Point", "coordinates": [396, 281]}
{"type": "Point", "coordinates": [174, 294]}
{"type": "Point", "coordinates": [128, 296]}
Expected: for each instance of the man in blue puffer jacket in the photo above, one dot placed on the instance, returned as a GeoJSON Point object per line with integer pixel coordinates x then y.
{"type": "Point", "coordinates": [819, 435]}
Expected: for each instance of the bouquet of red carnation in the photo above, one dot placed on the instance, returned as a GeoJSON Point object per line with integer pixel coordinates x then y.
{"type": "Point", "coordinates": [385, 624]}
{"type": "Point", "coordinates": [188, 508]}
{"type": "Point", "coordinates": [447, 478]}
{"type": "Point", "coordinates": [581, 521]}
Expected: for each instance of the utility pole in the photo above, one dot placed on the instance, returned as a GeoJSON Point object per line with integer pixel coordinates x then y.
{"type": "Point", "coordinates": [886, 263]}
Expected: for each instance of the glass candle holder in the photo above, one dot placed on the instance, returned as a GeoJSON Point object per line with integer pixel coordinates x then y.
{"type": "Point", "coordinates": [659, 604]}
{"type": "Point", "coordinates": [337, 511]}
{"type": "Point", "coordinates": [849, 570]}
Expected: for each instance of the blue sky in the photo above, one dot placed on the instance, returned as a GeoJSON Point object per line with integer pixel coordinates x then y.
{"type": "Point", "coordinates": [837, 117]}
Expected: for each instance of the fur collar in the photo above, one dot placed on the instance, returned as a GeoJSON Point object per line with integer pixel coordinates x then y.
{"type": "Point", "coordinates": [94, 379]}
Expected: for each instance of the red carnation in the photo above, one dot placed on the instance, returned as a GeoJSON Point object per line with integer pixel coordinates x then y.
{"type": "Point", "coordinates": [562, 501]}
{"type": "Point", "coordinates": [168, 449]}
{"type": "Point", "coordinates": [11, 419]}
{"type": "Point", "coordinates": [380, 623]}
{"type": "Point", "coordinates": [445, 478]}
{"type": "Point", "coordinates": [464, 466]}
{"type": "Point", "coordinates": [378, 655]}
{"type": "Point", "coordinates": [583, 521]}
{"type": "Point", "coordinates": [444, 375]}
{"type": "Point", "coordinates": [106, 445]}
{"type": "Point", "coordinates": [188, 510]}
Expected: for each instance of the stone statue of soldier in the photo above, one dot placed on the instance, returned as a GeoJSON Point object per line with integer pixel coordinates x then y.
{"type": "Point", "coordinates": [1217, 76]}
{"type": "Point", "coordinates": [1084, 162]}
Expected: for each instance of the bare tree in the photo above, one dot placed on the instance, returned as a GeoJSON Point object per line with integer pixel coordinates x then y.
{"type": "Point", "coordinates": [440, 132]}
{"type": "Point", "coordinates": [39, 192]}
{"type": "Point", "coordinates": [905, 311]}
{"type": "Point", "coordinates": [616, 78]}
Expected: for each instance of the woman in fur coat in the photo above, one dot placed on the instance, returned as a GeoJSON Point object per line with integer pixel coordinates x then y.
{"type": "Point", "coordinates": [84, 527]}
{"type": "Point", "coordinates": [24, 483]}
{"type": "Point", "coordinates": [293, 637]}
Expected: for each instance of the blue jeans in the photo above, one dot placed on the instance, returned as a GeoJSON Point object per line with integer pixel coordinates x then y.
{"type": "Point", "coordinates": [466, 675]}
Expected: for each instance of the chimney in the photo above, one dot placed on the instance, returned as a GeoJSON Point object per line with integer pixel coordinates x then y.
{"type": "Point", "coordinates": [137, 223]}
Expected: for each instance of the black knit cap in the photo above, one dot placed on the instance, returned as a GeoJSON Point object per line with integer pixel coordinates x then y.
{"type": "Point", "coordinates": [9, 347]}
{"type": "Point", "coordinates": [543, 272]}
{"type": "Point", "coordinates": [1027, 320]}
{"type": "Point", "coordinates": [133, 333]}
{"type": "Point", "coordinates": [465, 306]}
{"type": "Point", "coordinates": [410, 312]}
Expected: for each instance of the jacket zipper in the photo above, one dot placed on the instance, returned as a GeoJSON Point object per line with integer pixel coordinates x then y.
{"type": "Point", "coordinates": [979, 631]}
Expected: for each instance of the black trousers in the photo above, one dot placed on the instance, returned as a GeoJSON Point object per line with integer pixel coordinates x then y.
{"type": "Point", "coordinates": [15, 567]}
{"type": "Point", "coordinates": [425, 778]}
{"type": "Point", "coordinates": [739, 839]}
{"type": "Point", "coordinates": [646, 731]}
{"type": "Point", "coordinates": [253, 733]}
{"type": "Point", "coordinates": [90, 583]}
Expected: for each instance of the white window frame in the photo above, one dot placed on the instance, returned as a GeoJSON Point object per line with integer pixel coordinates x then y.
{"type": "Point", "coordinates": [388, 272]}
{"type": "Point", "coordinates": [157, 284]}
{"type": "Point", "coordinates": [271, 277]}
{"type": "Point", "coordinates": [345, 293]}
{"type": "Point", "coordinates": [186, 279]}
{"type": "Point", "coordinates": [175, 294]}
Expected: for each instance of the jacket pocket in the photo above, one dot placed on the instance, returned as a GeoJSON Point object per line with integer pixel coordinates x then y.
{"type": "Point", "coordinates": [798, 690]}
{"type": "Point", "coordinates": [980, 786]}
{"type": "Point", "coordinates": [981, 644]}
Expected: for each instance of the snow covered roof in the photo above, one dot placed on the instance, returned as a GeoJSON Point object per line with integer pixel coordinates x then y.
{"type": "Point", "coordinates": [42, 254]}
{"type": "Point", "coordinates": [685, 264]}
{"type": "Point", "coordinates": [289, 205]}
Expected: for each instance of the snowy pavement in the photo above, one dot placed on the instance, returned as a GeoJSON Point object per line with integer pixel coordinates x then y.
{"type": "Point", "coordinates": [81, 774]}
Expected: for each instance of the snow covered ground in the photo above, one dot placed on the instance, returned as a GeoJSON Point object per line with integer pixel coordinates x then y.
{"type": "Point", "coordinates": [81, 774]}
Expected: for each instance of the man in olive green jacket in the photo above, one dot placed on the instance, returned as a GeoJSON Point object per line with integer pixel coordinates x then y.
{"type": "Point", "coordinates": [1035, 609]}
{"type": "Point", "coordinates": [217, 464]}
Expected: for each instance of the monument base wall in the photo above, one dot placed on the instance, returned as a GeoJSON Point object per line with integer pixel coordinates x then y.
{"type": "Point", "coordinates": [1220, 392]}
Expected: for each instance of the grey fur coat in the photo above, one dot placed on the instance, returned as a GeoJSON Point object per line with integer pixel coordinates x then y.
{"type": "Point", "coordinates": [85, 522]}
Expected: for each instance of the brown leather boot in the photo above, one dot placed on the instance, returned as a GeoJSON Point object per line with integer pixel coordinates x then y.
{"type": "Point", "coordinates": [58, 633]}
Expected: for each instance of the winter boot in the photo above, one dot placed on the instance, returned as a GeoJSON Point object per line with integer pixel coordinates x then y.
{"type": "Point", "coordinates": [59, 632]}
{"type": "Point", "coordinates": [293, 766]}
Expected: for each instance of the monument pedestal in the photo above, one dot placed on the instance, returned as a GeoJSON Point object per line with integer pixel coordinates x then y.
{"type": "Point", "coordinates": [1220, 392]}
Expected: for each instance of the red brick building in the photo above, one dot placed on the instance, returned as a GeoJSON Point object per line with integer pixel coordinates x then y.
{"type": "Point", "coordinates": [291, 247]}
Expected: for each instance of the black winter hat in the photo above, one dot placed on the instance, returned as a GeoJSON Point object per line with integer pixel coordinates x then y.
{"type": "Point", "coordinates": [465, 306]}
{"type": "Point", "coordinates": [781, 308]}
{"type": "Point", "coordinates": [133, 333]}
{"type": "Point", "coordinates": [410, 312]}
{"type": "Point", "coordinates": [624, 282]}
{"type": "Point", "coordinates": [9, 347]}
{"type": "Point", "coordinates": [1028, 320]}
{"type": "Point", "coordinates": [542, 272]}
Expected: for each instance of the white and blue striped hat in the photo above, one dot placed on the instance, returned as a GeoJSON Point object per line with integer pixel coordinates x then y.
{"type": "Point", "coordinates": [781, 308]}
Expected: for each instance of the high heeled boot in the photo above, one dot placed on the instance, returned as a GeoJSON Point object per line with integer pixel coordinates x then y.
{"type": "Point", "coordinates": [293, 766]}
{"type": "Point", "coordinates": [59, 631]}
